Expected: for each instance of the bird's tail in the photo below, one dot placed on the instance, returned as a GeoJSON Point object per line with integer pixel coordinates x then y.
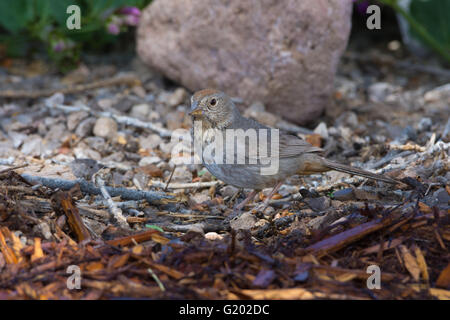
{"type": "Point", "coordinates": [356, 171]}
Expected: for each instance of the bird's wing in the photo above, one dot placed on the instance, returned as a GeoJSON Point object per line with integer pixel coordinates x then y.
{"type": "Point", "coordinates": [293, 146]}
{"type": "Point", "coordinates": [289, 145]}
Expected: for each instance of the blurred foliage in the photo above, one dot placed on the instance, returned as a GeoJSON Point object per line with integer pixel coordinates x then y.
{"type": "Point", "coordinates": [27, 24]}
{"type": "Point", "coordinates": [434, 15]}
{"type": "Point", "coordinates": [429, 22]}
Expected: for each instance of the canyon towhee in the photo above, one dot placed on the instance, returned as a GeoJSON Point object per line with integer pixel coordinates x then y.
{"type": "Point", "coordinates": [217, 116]}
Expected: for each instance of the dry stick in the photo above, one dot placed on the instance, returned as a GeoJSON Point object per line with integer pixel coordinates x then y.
{"type": "Point", "coordinates": [13, 168]}
{"type": "Point", "coordinates": [138, 237]}
{"type": "Point", "coordinates": [86, 187]}
{"type": "Point", "coordinates": [342, 239]}
{"type": "Point", "coordinates": [65, 201]}
{"type": "Point", "coordinates": [113, 209]}
{"type": "Point", "coordinates": [205, 184]}
{"type": "Point", "coordinates": [119, 119]}
{"type": "Point", "coordinates": [170, 178]}
{"type": "Point", "coordinates": [129, 80]}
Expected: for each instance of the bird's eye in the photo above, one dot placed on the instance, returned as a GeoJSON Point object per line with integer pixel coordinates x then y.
{"type": "Point", "coordinates": [213, 102]}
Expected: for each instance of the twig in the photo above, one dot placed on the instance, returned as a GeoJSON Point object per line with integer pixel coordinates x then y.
{"type": "Point", "coordinates": [201, 227]}
{"type": "Point", "coordinates": [170, 178]}
{"type": "Point", "coordinates": [122, 205]}
{"type": "Point", "coordinates": [86, 187]}
{"type": "Point", "coordinates": [342, 239]}
{"type": "Point", "coordinates": [139, 237]}
{"type": "Point", "coordinates": [388, 158]}
{"type": "Point", "coordinates": [13, 168]}
{"type": "Point", "coordinates": [113, 209]}
{"type": "Point", "coordinates": [187, 215]}
{"type": "Point", "coordinates": [128, 80]}
{"type": "Point", "coordinates": [407, 147]}
{"type": "Point", "coordinates": [205, 184]}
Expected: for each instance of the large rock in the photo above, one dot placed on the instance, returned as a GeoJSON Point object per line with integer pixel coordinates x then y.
{"type": "Point", "coordinates": [282, 53]}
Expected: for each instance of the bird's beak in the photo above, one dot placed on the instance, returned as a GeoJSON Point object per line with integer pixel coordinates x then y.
{"type": "Point", "coordinates": [196, 112]}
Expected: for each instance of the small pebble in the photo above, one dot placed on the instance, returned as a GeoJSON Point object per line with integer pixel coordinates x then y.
{"type": "Point", "coordinates": [344, 194]}
{"type": "Point", "coordinates": [213, 236]}
{"type": "Point", "coordinates": [105, 127]}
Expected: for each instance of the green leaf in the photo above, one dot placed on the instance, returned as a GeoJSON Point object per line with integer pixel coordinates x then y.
{"type": "Point", "coordinates": [14, 15]}
{"type": "Point", "coordinates": [152, 226]}
{"type": "Point", "coordinates": [434, 16]}
{"type": "Point", "coordinates": [58, 10]}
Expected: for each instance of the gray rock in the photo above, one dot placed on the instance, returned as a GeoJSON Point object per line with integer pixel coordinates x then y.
{"type": "Point", "coordinates": [228, 191]}
{"type": "Point", "coordinates": [245, 221]}
{"type": "Point", "coordinates": [17, 138]}
{"type": "Point", "coordinates": [85, 127]}
{"type": "Point", "coordinates": [361, 194]}
{"type": "Point", "coordinates": [167, 147]}
{"type": "Point", "coordinates": [141, 180]}
{"type": "Point", "coordinates": [115, 157]}
{"type": "Point", "coordinates": [74, 119]}
{"type": "Point", "coordinates": [83, 152]}
{"type": "Point", "coordinates": [174, 120]}
{"type": "Point", "coordinates": [348, 119]}
{"type": "Point", "coordinates": [150, 142]}
{"type": "Point", "coordinates": [97, 143]}
{"type": "Point", "coordinates": [441, 196]}
{"type": "Point", "coordinates": [286, 190]}
{"type": "Point", "coordinates": [84, 168]}
{"type": "Point", "coordinates": [33, 146]}
{"type": "Point", "coordinates": [182, 174]}
{"type": "Point", "coordinates": [409, 133]}
{"type": "Point", "coordinates": [379, 91]}
{"type": "Point", "coordinates": [323, 221]}
{"type": "Point", "coordinates": [149, 160]}
{"type": "Point", "coordinates": [105, 128]}
{"type": "Point", "coordinates": [140, 111]}
{"type": "Point", "coordinates": [177, 97]}
{"type": "Point", "coordinates": [322, 130]}
{"type": "Point", "coordinates": [282, 53]}
{"type": "Point", "coordinates": [344, 194]}
{"type": "Point", "coordinates": [424, 124]}
{"type": "Point", "coordinates": [318, 204]}
{"type": "Point", "coordinates": [57, 132]}
{"type": "Point", "coordinates": [200, 197]}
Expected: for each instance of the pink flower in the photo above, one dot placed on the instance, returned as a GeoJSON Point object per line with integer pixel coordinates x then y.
{"type": "Point", "coordinates": [59, 46]}
{"type": "Point", "coordinates": [133, 11]}
{"type": "Point", "coordinates": [131, 20]}
{"type": "Point", "coordinates": [113, 28]}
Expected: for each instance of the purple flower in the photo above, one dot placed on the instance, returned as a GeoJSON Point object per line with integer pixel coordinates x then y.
{"type": "Point", "coordinates": [133, 11]}
{"type": "Point", "coordinates": [131, 20]}
{"type": "Point", "coordinates": [113, 28]}
{"type": "Point", "coordinates": [59, 46]}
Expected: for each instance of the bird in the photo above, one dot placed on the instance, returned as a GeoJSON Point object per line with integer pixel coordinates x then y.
{"type": "Point", "coordinates": [216, 113]}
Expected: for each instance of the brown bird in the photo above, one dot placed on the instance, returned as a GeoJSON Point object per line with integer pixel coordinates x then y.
{"type": "Point", "coordinates": [218, 114]}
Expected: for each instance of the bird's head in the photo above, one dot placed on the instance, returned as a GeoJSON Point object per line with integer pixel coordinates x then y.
{"type": "Point", "coordinates": [213, 106]}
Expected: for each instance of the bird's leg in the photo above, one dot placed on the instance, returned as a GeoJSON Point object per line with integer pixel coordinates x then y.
{"type": "Point", "coordinates": [240, 206]}
{"type": "Point", "coordinates": [249, 198]}
{"type": "Point", "coordinates": [270, 195]}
